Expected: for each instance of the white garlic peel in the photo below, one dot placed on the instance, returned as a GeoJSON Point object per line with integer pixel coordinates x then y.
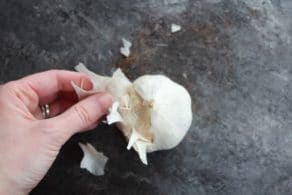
{"type": "Point", "coordinates": [81, 93]}
{"type": "Point", "coordinates": [114, 116]}
{"type": "Point", "coordinates": [175, 28]}
{"type": "Point", "coordinates": [93, 161]}
{"type": "Point", "coordinates": [125, 50]}
{"type": "Point", "coordinates": [154, 113]}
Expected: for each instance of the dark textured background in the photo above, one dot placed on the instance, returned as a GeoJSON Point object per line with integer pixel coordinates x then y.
{"type": "Point", "coordinates": [235, 58]}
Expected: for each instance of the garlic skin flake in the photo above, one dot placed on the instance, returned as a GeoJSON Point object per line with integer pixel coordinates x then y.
{"type": "Point", "coordinates": [175, 28]}
{"type": "Point", "coordinates": [114, 116]}
{"type": "Point", "coordinates": [154, 113]}
{"type": "Point", "coordinates": [125, 50]}
{"type": "Point", "coordinates": [93, 161]}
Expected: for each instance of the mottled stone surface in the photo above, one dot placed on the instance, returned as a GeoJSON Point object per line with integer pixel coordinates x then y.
{"type": "Point", "coordinates": [235, 58]}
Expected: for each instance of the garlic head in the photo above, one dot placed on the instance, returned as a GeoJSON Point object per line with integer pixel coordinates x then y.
{"type": "Point", "coordinates": [154, 113]}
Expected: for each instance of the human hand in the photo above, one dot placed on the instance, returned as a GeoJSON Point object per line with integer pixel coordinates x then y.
{"type": "Point", "coordinates": [30, 144]}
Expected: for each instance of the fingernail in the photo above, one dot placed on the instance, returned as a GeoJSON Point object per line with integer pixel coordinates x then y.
{"type": "Point", "coordinates": [86, 83]}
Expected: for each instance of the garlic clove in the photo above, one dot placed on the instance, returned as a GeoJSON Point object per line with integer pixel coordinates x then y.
{"type": "Point", "coordinates": [171, 113]}
{"type": "Point", "coordinates": [114, 116]}
{"type": "Point", "coordinates": [99, 82]}
{"type": "Point", "coordinates": [93, 161]}
{"type": "Point", "coordinates": [126, 101]}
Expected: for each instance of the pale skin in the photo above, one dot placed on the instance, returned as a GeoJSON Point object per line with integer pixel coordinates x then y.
{"type": "Point", "coordinates": [28, 143]}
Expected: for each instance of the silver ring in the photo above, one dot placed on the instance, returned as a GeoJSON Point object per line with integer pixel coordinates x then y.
{"type": "Point", "coordinates": [45, 110]}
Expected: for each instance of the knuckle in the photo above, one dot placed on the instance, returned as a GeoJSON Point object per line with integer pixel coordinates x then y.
{"type": "Point", "coordinates": [82, 114]}
{"type": "Point", "coordinates": [56, 72]}
{"type": "Point", "coordinates": [9, 88]}
{"type": "Point", "coordinates": [7, 91]}
{"type": "Point", "coordinates": [52, 73]}
{"type": "Point", "coordinates": [10, 85]}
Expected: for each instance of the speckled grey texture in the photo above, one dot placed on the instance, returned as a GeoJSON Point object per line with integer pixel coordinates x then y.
{"type": "Point", "coordinates": [235, 58]}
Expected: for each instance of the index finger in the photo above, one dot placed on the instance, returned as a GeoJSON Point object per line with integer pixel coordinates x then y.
{"type": "Point", "coordinates": [47, 84]}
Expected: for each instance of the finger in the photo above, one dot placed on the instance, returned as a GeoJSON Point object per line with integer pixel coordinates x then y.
{"type": "Point", "coordinates": [94, 125]}
{"type": "Point", "coordinates": [59, 106]}
{"type": "Point", "coordinates": [55, 108]}
{"type": "Point", "coordinates": [82, 115]}
{"type": "Point", "coordinates": [47, 84]}
{"type": "Point", "coordinates": [68, 95]}
{"type": "Point", "coordinates": [62, 103]}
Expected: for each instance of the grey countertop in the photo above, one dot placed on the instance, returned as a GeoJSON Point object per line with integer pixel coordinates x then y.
{"type": "Point", "coordinates": [234, 57]}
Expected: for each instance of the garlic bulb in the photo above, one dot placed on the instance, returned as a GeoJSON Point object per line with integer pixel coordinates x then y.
{"type": "Point", "coordinates": [154, 113]}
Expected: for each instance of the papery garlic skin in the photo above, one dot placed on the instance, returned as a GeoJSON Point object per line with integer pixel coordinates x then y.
{"type": "Point", "coordinates": [125, 50]}
{"type": "Point", "coordinates": [93, 161]}
{"type": "Point", "coordinates": [118, 86]}
{"type": "Point", "coordinates": [175, 28]}
{"type": "Point", "coordinates": [99, 82]}
{"type": "Point", "coordinates": [114, 116]}
{"type": "Point", "coordinates": [154, 113]}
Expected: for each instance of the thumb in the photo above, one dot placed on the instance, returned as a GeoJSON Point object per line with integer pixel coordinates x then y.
{"type": "Point", "coordinates": [83, 114]}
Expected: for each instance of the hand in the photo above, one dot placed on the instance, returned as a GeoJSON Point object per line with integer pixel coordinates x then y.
{"type": "Point", "coordinates": [30, 144]}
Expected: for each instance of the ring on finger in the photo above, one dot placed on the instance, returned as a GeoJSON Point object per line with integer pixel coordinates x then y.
{"type": "Point", "coordinates": [45, 109]}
